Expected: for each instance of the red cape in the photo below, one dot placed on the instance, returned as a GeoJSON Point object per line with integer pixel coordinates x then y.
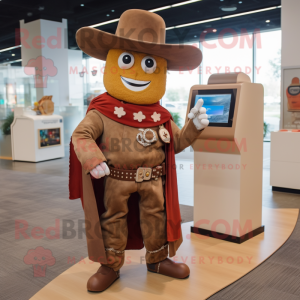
{"type": "Point", "coordinates": [106, 104]}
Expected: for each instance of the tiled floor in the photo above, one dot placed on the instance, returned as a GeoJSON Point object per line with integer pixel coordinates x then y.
{"type": "Point", "coordinates": [38, 194]}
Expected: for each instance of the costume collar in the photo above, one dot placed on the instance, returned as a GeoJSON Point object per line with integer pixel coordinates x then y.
{"type": "Point", "coordinates": [130, 114]}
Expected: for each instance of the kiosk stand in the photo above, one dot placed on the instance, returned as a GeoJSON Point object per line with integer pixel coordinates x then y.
{"type": "Point", "coordinates": [228, 158]}
{"type": "Point", "coordinates": [36, 138]}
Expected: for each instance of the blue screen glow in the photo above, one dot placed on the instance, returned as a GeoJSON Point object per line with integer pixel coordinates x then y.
{"type": "Point", "coordinates": [217, 107]}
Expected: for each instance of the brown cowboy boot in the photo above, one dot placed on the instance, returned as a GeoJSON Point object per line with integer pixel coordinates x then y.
{"type": "Point", "coordinates": [103, 279]}
{"type": "Point", "coordinates": [170, 268]}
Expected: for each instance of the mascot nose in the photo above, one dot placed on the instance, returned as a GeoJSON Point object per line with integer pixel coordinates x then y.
{"type": "Point", "coordinates": [136, 73]}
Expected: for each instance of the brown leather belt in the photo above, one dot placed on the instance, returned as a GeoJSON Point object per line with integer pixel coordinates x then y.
{"type": "Point", "coordinates": [139, 175]}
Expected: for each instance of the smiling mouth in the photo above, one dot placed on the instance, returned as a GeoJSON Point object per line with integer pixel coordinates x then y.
{"type": "Point", "coordinates": [135, 85]}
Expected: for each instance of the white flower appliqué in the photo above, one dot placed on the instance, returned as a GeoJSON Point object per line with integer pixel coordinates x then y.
{"type": "Point", "coordinates": [155, 117]}
{"type": "Point", "coordinates": [139, 116]}
{"type": "Point", "coordinates": [119, 111]}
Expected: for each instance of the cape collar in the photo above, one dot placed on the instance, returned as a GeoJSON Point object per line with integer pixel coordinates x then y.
{"type": "Point", "coordinates": [130, 114]}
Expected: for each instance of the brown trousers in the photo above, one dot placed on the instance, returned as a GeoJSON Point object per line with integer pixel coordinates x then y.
{"type": "Point", "coordinates": [152, 219]}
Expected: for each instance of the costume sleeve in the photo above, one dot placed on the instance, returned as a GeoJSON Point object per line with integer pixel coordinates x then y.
{"type": "Point", "coordinates": [83, 139]}
{"type": "Point", "coordinates": [184, 137]}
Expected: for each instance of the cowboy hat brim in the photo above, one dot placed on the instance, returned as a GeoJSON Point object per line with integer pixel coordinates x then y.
{"type": "Point", "coordinates": [97, 43]}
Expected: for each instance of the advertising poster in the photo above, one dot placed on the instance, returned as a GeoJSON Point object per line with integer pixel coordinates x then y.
{"type": "Point", "coordinates": [291, 98]}
{"type": "Point", "coordinates": [49, 137]}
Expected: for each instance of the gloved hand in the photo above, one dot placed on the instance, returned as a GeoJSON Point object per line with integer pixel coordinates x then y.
{"type": "Point", "coordinates": [198, 115]}
{"type": "Point", "coordinates": [100, 170]}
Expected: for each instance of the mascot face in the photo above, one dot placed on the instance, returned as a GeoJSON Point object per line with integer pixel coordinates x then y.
{"type": "Point", "coordinates": [135, 77]}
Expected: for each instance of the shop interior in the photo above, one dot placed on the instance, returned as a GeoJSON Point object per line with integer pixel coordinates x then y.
{"type": "Point", "coordinates": [39, 58]}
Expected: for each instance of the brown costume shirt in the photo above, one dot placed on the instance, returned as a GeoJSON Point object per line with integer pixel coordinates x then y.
{"type": "Point", "coordinates": [119, 146]}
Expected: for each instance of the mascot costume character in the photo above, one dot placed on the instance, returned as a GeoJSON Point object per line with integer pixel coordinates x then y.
{"type": "Point", "coordinates": [122, 156]}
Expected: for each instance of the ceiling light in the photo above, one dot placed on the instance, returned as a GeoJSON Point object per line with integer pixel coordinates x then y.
{"type": "Point", "coordinates": [160, 8]}
{"type": "Point", "coordinates": [240, 2]}
{"type": "Point", "coordinates": [194, 23]}
{"type": "Point", "coordinates": [10, 48]}
{"type": "Point", "coordinates": [195, 36]}
{"type": "Point", "coordinates": [81, 4]}
{"type": "Point", "coordinates": [184, 3]}
{"type": "Point", "coordinates": [13, 54]}
{"type": "Point", "coordinates": [108, 15]}
{"type": "Point", "coordinates": [104, 23]}
{"type": "Point", "coordinates": [251, 12]}
{"type": "Point", "coordinates": [214, 30]}
{"type": "Point", "coordinates": [112, 10]}
{"type": "Point", "coordinates": [268, 21]}
{"type": "Point", "coordinates": [199, 22]}
{"type": "Point", "coordinates": [231, 7]}
{"type": "Point", "coordinates": [173, 5]}
{"type": "Point", "coordinates": [12, 61]}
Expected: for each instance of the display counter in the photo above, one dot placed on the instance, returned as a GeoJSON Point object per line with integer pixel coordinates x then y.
{"type": "Point", "coordinates": [36, 137]}
{"type": "Point", "coordinates": [285, 161]}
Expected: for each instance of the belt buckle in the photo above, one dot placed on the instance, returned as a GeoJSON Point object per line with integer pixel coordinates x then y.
{"type": "Point", "coordinates": [143, 174]}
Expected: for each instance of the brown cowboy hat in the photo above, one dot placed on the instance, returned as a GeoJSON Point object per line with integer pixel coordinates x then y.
{"type": "Point", "coordinates": [140, 31]}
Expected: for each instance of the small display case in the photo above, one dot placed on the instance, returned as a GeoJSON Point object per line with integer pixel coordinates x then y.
{"type": "Point", "coordinates": [36, 137]}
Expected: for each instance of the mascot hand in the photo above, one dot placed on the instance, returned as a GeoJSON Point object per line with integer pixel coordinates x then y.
{"type": "Point", "coordinates": [199, 116]}
{"type": "Point", "coordinates": [100, 170]}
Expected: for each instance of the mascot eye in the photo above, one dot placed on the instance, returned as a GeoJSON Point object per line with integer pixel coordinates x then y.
{"type": "Point", "coordinates": [126, 60]}
{"type": "Point", "coordinates": [148, 64]}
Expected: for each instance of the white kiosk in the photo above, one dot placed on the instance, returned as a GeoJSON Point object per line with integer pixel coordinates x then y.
{"type": "Point", "coordinates": [228, 158]}
{"type": "Point", "coordinates": [36, 138]}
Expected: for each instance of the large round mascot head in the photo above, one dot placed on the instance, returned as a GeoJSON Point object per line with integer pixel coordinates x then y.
{"type": "Point", "coordinates": [137, 57]}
